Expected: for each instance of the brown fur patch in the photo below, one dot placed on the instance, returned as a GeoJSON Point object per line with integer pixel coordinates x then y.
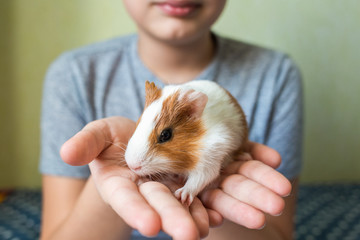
{"type": "Point", "coordinates": [152, 93]}
{"type": "Point", "coordinates": [183, 148]}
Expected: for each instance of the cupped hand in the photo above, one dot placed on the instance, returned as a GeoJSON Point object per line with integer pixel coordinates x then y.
{"type": "Point", "coordinates": [250, 188]}
{"type": "Point", "coordinates": [149, 207]}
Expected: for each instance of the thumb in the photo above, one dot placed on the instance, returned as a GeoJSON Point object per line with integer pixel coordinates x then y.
{"type": "Point", "coordinates": [86, 145]}
{"type": "Point", "coordinates": [96, 137]}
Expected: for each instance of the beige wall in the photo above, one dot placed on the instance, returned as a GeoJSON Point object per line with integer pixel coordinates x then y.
{"type": "Point", "coordinates": [322, 36]}
{"type": "Point", "coordinates": [7, 167]}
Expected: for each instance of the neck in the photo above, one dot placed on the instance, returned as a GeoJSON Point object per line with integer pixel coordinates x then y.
{"type": "Point", "coordinates": [176, 63]}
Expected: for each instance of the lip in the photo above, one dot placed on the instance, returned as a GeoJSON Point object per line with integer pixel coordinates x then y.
{"type": "Point", "coordinates": [178, 8]}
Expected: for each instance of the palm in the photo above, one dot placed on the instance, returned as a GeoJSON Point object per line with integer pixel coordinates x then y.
{"type": "Point", "coordinates": [146, 208]}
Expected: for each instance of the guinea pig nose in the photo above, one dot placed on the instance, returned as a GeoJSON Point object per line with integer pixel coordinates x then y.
{"type": "Point", "coordinates": [135, 167]}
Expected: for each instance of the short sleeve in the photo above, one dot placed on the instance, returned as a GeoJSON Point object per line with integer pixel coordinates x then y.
{"type": "Point", "coordinates": [62, 116]}
{"type": "Point", "coordinates": [285, 133]}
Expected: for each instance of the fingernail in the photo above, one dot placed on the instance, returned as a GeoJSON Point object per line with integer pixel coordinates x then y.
{"type": "Point", "coordinates": [262, 227]}
{"type": "Point", "coordinates": [286, 195]}
{"type": "Point", "coordinates": [279, 214]}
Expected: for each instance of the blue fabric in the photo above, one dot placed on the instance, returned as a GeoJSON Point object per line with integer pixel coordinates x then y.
{"type": "Point", "coordinates": [20, 215]}
{"type": "Point", "coordinates": [329, 212]}
{"type": "Point", "coordinates": [107, 79]}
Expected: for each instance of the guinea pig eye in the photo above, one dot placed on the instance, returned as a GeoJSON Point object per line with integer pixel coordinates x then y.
{"type": "Point", "coordinates": [165, 135]}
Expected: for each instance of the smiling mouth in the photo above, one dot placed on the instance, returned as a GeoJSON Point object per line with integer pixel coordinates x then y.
{"type": "Point", "coordinates": [178, 8]}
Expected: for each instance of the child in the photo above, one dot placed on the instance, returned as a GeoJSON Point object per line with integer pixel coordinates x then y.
{"type": "Point", "coordinates": [86, 88]}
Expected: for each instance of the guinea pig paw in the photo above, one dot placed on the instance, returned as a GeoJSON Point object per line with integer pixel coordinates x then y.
{"type": "Point", "coordinates": [184, 196]}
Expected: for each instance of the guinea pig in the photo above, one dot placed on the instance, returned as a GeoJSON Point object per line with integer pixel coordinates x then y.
{"type": "Point", "coordinates": [192, 130]}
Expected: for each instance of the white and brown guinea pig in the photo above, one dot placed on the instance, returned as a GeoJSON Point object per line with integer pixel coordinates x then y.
{"type": "Point", "coordinates": [192, 130]}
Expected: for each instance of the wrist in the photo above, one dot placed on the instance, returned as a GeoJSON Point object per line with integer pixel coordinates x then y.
{"type": "Point", "coordinates": [91, 218]}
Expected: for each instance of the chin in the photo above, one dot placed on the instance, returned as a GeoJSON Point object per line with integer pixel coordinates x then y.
{"type": "Point", "coordinates": [175, 35]}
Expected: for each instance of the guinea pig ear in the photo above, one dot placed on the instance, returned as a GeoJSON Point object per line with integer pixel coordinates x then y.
{"type": "Point", "coordinates": [151, 93]}
{"type": "Point", "coordinates": [196, 101]}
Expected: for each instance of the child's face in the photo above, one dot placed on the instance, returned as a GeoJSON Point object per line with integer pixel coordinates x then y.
{"type": "Point", "coordinates": [174, 21]}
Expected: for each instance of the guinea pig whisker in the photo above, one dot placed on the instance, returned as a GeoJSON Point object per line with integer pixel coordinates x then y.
{"type": "Point", "coordinates": [122, 164]}
{"type": "Point", "coordinates": [120, 155]}
{"type": "Point", "coordinates": [123, 148]}
{"type": "Point", "coordinates": [123, 144]}
{"type": "Point", "coordinates": [150, 177]}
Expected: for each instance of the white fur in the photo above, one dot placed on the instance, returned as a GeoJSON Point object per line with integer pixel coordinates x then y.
{"type": "Point", "coordinates": [136, 153]}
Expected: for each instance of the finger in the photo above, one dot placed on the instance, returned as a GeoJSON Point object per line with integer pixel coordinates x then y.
{"type": "Point", "coordinates": [232, 209]}
{"type": "Point", "coordinates": [215, 218]}
{"type": "Point", "coordinates": [253, 194]}
{"type": "Point", "coordinates": [264, 154]}
{"type": "Point", "coordinates": [200, 216]}
{"type": "Point", "coordinates": [133, 208]}
{"type": "Point", "coordinates": [176, 220]}
{"type": "Point", "coordinates": [94, 138]}
{"type": "Point", "coordinates": [261, 173]}
{"type": "Point", "coordinates": [86, 144]}
{"type": "Point", "coordinates": [116, 186]}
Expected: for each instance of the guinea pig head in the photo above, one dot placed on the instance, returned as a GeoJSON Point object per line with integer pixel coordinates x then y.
{"type": "Point", "coordinates": [168, 135]}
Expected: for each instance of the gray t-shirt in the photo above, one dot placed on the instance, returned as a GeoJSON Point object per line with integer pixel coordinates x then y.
{"type": "Point", "coordinates": [108, 78]}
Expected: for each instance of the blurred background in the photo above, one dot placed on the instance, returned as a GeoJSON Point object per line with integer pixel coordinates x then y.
{"type": "Point", "coordinates": [323, 37]}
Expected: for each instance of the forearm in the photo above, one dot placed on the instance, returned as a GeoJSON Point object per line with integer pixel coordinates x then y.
{"type": "Point", "coordinates": [90, 218]}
